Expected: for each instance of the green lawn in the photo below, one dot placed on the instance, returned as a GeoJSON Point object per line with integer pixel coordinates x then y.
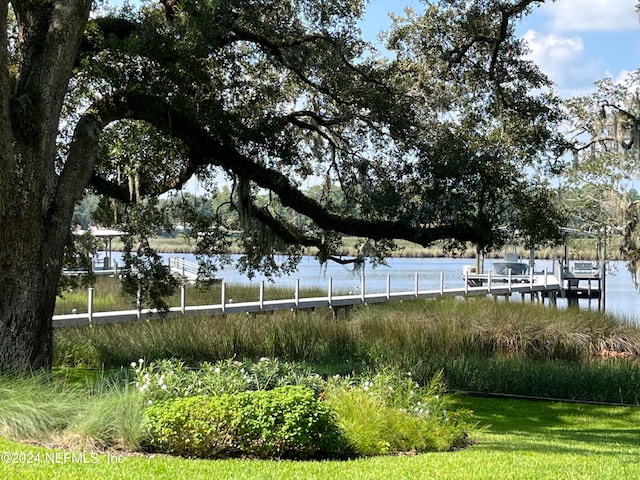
{"type": "Point", "coordinates": [522, 440]}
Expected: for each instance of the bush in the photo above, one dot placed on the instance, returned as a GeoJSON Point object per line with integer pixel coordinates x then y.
{"type": "Point", "coordinates": [171, 378]}
{"type": "Point", "coordinates": [286, 422]}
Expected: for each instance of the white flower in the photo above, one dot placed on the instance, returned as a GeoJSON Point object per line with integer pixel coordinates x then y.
{"type": "Point", "coordinates": [216, 370]}
{"type": "Point", "coordinates": [133, 364]}
{"type": "Point", "coordinates": [164, 387]}
{"type": "Point", "coordinates": [264, 359]}
{"type": "Point", "coordinates": [149, 402]}
{"type": "Point", "coordinates": [141, 361]}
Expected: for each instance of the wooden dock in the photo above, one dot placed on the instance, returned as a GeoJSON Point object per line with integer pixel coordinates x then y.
{"type": "Point", "coordinates": [537, 285]}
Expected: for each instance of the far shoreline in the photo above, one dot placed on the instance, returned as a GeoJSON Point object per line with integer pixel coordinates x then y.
{"type": "Point", "coordinates": [579, 249]}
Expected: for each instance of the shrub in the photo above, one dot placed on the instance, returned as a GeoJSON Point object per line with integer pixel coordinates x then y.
{"type": "Point", "coordinates": [172, 378]}
{"type": "Point", "coordinates": [286, 422]}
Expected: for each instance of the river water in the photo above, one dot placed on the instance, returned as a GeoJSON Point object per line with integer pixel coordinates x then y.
{"type": "Point", "coordinates": [622, 299]}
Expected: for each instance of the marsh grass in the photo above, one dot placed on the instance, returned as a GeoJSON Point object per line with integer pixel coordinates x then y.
{"type": "Point", "coordinates": [107, 296]}
{"type": "Point", "coordinates": [486, 328]}
{"type": "Point", "coordinates": [300, 336]}
{"type": "Point", "coordinates": [479, 344]}
{"type": "Point", "coordinates": [579, 248]}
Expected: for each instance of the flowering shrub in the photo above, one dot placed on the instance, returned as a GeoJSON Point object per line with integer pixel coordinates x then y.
{"type": "Point", "coordinates": [172, 379]}
{"type": "Point", "coordinates": [379, 413]}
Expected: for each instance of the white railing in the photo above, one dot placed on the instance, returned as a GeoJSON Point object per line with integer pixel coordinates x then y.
{"type": "Point", "coordinates": [503, 286]}
{"type": "Point", "coordinates": [183, 267]}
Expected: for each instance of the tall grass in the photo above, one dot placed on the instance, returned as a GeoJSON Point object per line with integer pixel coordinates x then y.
{"type": "Point", "coordinates": [301, 336]}
{"type": "Point", "coordinates": [479, 344]}
{"type": "Point", "coordinates": [487, 328]}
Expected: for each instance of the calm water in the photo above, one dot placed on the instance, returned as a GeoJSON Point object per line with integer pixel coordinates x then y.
{"type": "Point", "coordinates": [622, 299]}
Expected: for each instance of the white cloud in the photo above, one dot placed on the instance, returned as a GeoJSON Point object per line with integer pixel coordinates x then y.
{"type": "Point", "coordinates": [562, 59]}
{"type": "Point", "coordinates": [592, 15]}
{"type": "Point", "coordinates": [622, 77]}
{"type": "Point", "coordinates": [552, 48]}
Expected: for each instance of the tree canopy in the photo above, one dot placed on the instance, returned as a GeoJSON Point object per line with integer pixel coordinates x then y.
{"type": "Point", "coordinates": [432, 141]}
{"type": "Point", "coordinates": [604, 131]}
{"type": "Point", "coordinates": [426, 144]}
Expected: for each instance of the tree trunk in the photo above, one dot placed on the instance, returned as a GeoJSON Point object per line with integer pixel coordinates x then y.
{"type": "Point", "coordinates": [29, 281]}
{"type": "Point", "coordinates": [37, 196]}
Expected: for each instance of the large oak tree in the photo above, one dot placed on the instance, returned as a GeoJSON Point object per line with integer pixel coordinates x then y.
{"type": "Point", "coordinates": [430, 142]}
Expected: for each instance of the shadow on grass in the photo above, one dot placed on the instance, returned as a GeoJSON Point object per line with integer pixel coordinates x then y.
{"type": "Point", "coordinates": [556, 427]}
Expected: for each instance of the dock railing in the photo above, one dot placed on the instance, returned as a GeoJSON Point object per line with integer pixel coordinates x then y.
{"type": "Point", "coordinates": [495, 285]}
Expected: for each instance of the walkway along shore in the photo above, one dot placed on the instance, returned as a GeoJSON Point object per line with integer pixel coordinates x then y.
{"type": "Point", "coordinates": [539, 285]}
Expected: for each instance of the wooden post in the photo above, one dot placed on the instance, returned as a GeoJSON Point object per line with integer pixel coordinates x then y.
{"type": "Point", "coordinates": [603, 289]}
{"type": "Point", "coordinates": [362, 288]}
{"type": "Point", "coordinates": [490, 282]}
{"type": "Point", "coordinates": [441, 283]}
{"type": "Point", "coordinates": [297, 292]}
{"type": "Point", "coordinates": [223, 295]}
{"type": "Point", "coordinates": [417, 285]}
{"type": "Point", "coordinates": [329, 290]}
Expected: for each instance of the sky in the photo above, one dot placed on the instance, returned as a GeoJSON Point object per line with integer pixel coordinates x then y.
{"type": "Point", "coordinates": [575, 42]}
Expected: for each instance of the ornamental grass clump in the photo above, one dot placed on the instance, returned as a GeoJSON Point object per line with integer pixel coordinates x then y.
{"type": "Point", "coordinates": [48, 409]}
{"type": "Point", "coordinates": [389, 412]}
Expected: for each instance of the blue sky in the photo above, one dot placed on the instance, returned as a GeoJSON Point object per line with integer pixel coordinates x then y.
{"type": "Point", "coordinates": [575, 42]}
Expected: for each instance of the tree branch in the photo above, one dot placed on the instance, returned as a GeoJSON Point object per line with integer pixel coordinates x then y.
{"type": "Point", "coordinates": [209, 149]}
